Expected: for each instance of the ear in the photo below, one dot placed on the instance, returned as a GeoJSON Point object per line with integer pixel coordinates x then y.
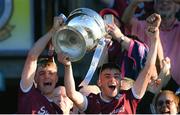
{"type": "Point", "coordinates": [99, 82]}
{"type": "Point", "coordinates": [35, 78]}
{"type": "Point", "coordinates": [57, 78]}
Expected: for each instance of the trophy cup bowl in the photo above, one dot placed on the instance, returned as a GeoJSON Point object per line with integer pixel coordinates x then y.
{"type": "Point", "coordinates": [81, 33]}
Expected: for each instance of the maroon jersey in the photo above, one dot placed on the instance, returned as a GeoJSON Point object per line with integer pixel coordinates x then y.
{"type": "Point", "coordinates": [124, 103]}
{"type": "Point", "coordinates": [33, 102]}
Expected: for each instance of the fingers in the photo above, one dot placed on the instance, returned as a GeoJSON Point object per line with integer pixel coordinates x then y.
{"type": "Point", "coordinates": [107, 36]}
{"type": "Point", "coordinates": [152, 29]}
{"type": "Point", "coordinates": [108, 39]}
{"type": "Point", "coordinates": [155, 83]}
{"type": "Point", "coordinates": [151, 19]}
{"type": "Point", "coordinates": [154, 20]}
{"type": "Point", "coordinates": [166, 64]}
{"type": "Point", "coordinates": [63, 58]}
{"type": "Point", "coordinates": [58, 22]}
{"type": "Point", "coordinates": [166, 61]}
{"type": "Point", "coordinates": [158, 81]}
{"type": "Point", "coordinates": [114, 31]}
{"type": "Point", "coordinates": [110, 28]}
{"type": "Point", "coordinates": [153, 23]}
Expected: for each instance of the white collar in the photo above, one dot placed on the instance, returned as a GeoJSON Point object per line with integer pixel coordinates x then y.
{"type": "Point", "coordinates": [105, 100]}
{"type": "Point", "coordinates": [50, 100]}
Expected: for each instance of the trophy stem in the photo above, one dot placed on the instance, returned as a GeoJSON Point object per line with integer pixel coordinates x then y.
{"type": "Point", "coordinates": [95, 61]}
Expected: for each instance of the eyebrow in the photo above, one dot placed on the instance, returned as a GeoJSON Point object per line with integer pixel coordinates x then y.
{"type": "Point", "coordinates": [113, 74]}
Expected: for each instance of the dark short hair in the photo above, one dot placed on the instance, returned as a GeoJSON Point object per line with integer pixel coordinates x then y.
{"type": "Point", "coordinates": [109, 65]}
{"type": "Point", "coordinates": [43, 62]}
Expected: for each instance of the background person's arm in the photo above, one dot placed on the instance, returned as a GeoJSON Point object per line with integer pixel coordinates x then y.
{"type": "Point", "coordinates": [127, 17]}
{"type": "Point", "coordinates": [163, 78]}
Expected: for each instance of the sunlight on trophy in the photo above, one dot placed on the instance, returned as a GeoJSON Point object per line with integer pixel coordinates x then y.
{"type": "Point", "coordinates": [81, 33]}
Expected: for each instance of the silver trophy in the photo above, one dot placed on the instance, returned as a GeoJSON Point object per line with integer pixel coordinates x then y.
{"type": "Point", "coordinates": [82, 31]}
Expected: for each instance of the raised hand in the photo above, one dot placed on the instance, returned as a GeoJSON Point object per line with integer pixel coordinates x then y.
{"type": "Point", "coordinates": [62, 58]}
{"type": "Point", "coordinates": [58, 22]}
{"type": "Point", "coordinates": [154, 20]}
{"type": "Point", "coordinates": [166, 65]}
{"type": "Point", "coordinates": [114, 31]}
{"type": "Point", "coordinates": [153, 23]}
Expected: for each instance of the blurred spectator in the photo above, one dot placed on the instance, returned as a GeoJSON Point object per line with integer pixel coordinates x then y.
{"type": "Point", "coordinates": [60, 98]}
{"type": "Point", "coordinates": [124, 50]}
{"type": "Point", "coordinates": [169, 31]}
{"type": "Point", "coordinates": [169, 34]}
{"type": "Point", "coordinates": [166, 102]}
{"type": "Point", "coordinates": [144, 9]}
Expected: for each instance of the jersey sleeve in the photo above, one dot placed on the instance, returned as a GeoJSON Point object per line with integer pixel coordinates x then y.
{"type": "Point", "coordinates": [135, 59]}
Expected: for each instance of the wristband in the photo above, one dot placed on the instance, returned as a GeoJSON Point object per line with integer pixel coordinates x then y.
{"type": "Point", "coordinates": [122, 39]}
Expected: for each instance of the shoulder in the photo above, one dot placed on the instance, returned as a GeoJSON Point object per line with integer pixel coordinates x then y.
{"type": "Point", "coordinates": [30, 89]}
{"type": "Point", "coordinates": [129, 94]}
{"type": "Point", "coordinates": [93, 96]}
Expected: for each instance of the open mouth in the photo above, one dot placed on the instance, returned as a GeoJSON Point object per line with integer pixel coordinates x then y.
{"type": "Point", "coordinates": [47, 84]}
{"type": "Point", "coordinates": [112, 87]}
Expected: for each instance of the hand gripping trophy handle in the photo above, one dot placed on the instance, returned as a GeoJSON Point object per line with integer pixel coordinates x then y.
{"type": "Point", "coordinates": [63, 17]}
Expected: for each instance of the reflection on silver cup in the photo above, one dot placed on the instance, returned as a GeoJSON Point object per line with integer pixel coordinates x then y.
{"type": "Point", "coordinates": [82, 31]}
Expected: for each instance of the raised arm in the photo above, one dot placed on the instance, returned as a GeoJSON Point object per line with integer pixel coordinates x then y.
{"type": "Point", "coordinates": [69, 83]}
{"type": "Point", "coordinates": [127, 17]}
{"type": "Point", "coordinates": [144, 77]}
{"type": "Point", "coordinates": [30, 66]}
{"type": "Point", "coordinates": [163, 78]}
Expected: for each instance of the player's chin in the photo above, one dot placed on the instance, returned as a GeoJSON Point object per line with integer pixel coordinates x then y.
{"type": "Point", "coordinates": [48, 90]}
{"type": "Point", "coordinates": [114, 93]}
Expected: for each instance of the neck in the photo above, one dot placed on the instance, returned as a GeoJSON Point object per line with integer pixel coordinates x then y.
{"type": "Point", "coordinates": [49, 96]}
{"type": "Point", "coordinates": [104, 98]}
